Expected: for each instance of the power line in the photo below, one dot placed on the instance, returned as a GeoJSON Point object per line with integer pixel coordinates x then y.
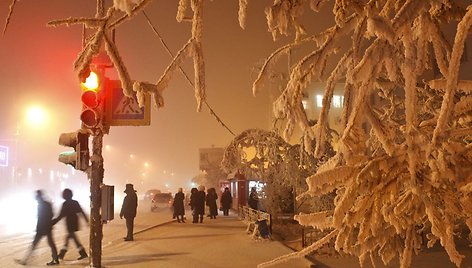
{"type": "Point", "coordinates": [212, 112]}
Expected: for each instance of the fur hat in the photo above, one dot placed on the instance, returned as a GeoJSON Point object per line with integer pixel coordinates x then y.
{"type": "Point", "coordinates": [129, 188]}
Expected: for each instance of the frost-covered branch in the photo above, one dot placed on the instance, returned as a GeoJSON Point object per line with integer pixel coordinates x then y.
{"type": "Point", "coordinates": [10, 13]}
{"type": "Point", "coordinates": [389, 182]}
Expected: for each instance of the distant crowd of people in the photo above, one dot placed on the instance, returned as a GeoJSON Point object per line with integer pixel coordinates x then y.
{"type": "Point", "coordinates": [198, 200]}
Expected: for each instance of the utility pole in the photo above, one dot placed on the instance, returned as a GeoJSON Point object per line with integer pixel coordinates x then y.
{"type": "Point", "coordinates": [96, 180]}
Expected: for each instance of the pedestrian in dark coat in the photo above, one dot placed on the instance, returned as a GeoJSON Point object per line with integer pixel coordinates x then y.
{"type": "Point", "coordinates": [210, 199]}
{"type": "Point", "coordinates": [193, 198]}
{"type": "Point", "coordinates": [253, 199]}
{"type": "Point", "coordinates": [43, 228]}
{"type": "Point", "coordinates": [70, 210]}
{"type": "Point", "coordinates": [226, 201]}
{"type": "Point", "coordinates": [128, 210]}
{"type": "Point", "coordinates": [199, 204]}
{"type": "Point", "coordinates": [179, 209]}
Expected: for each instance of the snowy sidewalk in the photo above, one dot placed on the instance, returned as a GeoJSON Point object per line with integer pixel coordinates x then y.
{"type": "Point", "coordinates": [222, 242]}
{"type": "Point", "coordinates": [162, 242]}
{"type": "Point", "coordinates": [15, 246]}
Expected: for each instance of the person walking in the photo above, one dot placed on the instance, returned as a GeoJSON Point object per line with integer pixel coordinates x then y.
{"type": "Point", "coordinates": [128, 210]}
{"type": "Point", "coordinates": [70, 210]}
{"type": "Point", "coordinates": [253, 199]}
{"type": "Point", "coordinates": [210, 199]}
{"type": "Point", "coordinates": [179, 209]}
{"type": "Point", "coordinates": [43, 228]}
{"type": "Point", "coordinates": [226, 201]}
{"type": "Point", "coordinates": [199, 203]}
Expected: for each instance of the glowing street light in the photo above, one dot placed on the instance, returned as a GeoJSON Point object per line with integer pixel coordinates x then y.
{"type": "Point", "coordinates": [36, 116]}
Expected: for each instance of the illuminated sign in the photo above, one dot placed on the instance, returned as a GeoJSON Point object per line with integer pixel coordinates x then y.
{"type": "Point", "coordinates": [3, 156]}
{"type": "Point", "coordinates": [124, 111]}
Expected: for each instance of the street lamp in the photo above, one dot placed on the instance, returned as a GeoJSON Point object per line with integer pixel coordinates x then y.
{"type": "Point", "coordinates": [36, 116]}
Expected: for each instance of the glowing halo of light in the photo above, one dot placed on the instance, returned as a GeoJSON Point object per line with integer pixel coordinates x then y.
{"type": "Point", "coordinates": [35, 116]}
{"type": "Point", "coordinates": [22, 216]}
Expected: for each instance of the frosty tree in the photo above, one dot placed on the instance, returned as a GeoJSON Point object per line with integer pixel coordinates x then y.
{"type": "Point", "coordinates": [403, 163]}
{"type": "Point", "coordinates": [265, 155]}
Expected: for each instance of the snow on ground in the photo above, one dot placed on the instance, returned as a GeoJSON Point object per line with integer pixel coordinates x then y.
{"type": "Point", "coordinates": [14, 246]}
{"type": "Point", "coordinates": [215, 243]}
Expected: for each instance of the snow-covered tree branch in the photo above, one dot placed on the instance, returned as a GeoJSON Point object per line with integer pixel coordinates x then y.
{"type": "Point", "coordinates": [403, 162]}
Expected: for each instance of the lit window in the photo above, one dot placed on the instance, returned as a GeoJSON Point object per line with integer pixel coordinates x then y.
{"type": "Point", "coordinates": [305, 104]}
{"type": "Point", "coordinates": [319, 101]}
{"type": "Point", "coordinates": [338, 101]}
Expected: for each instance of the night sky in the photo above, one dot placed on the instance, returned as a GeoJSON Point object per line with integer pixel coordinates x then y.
{"type": "Point", "coordinates": [36, 67]}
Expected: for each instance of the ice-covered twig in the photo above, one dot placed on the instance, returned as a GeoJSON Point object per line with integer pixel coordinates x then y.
{"type": "Point", "coordinates": [10, 13]}
{"type": "Point", "coordinates": [298, 254]}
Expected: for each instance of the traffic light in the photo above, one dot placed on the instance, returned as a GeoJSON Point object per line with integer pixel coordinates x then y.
{"type": "Point", "coordinates": [79, 158]}
{"type": "Point", "coordinates": [93, 100]}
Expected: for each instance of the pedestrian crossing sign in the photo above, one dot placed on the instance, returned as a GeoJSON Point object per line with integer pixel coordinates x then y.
{"type": "Point", "coordinates": [125, 111]}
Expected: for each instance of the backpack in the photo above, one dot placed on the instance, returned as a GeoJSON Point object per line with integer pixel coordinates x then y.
{"type": "Point", "coordinates": [263, 228]}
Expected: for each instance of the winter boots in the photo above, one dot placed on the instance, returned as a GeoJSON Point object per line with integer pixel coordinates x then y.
{"type": "Point", "coordinates": [62, 253]}
{"type": "Point", "coordinates": [83, 254]}
{"type": "Point", "coordinates": [54, 261]}
{"type": "Point", "coordinates": [180, 218]}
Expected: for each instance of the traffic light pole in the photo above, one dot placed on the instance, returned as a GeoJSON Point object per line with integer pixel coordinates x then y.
{"type": "Point", "coordinates": [96, 180]}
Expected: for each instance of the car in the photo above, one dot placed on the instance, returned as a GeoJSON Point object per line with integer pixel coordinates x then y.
{"type": "Point", "coordinates": [149, 195]}
{"type": "Point", "coordinates": [162, 201]}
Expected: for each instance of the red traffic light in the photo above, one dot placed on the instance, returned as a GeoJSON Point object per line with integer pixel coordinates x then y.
{"type": "Point", "coordinates": [92, 82]}
{"type": "Point", "coordinates": [90, 98]}
{"type": "Point", "coordinates": [93, 98]}
{"type": "Point", "coordinates": [89, 116]}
